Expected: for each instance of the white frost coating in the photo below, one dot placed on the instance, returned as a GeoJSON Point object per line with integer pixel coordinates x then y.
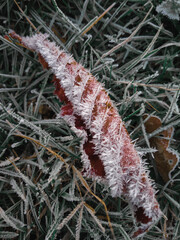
{"type": "Point", "coordinates": [170, 8]}
{"type": "Point", "coordinates": [109, 148]}
{"type": "Point", "coordinates": [111, 158]}
{"type": "Point", "coordinates": [30, 42]}
{"type": "Point", "coordinates": [78, 90]}
{"type": "Point", "coordinates": [83, 135]}
{"type": "Point", "coordinates": [85, 107]}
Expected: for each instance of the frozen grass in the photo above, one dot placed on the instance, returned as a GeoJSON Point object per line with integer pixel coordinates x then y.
{"type": "Point", "coordinates": [137, 59]}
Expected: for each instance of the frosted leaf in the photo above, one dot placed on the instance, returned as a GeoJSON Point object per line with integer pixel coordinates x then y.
{"type": "Point", "coordinates": [107, 151]}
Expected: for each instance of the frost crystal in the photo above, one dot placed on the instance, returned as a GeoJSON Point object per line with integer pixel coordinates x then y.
{"type": "Point", "coordinates": [170, 8]}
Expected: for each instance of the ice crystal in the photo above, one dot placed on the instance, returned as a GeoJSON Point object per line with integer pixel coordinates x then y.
{"type": "Point", "coordinates": [170, 8]}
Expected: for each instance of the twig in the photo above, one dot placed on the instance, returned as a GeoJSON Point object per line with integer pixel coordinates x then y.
{"type": "Point", "coordinates": [98, 19]}
{"type": "Point", "coordinates": [29, 21]}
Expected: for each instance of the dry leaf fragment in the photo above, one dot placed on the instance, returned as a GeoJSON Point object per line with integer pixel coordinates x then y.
{"type": "Point", "coordinates": [166, 158]}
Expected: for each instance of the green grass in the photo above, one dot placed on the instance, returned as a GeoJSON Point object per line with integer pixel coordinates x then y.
{"type": "Point", "coordinates": [39, 195]}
